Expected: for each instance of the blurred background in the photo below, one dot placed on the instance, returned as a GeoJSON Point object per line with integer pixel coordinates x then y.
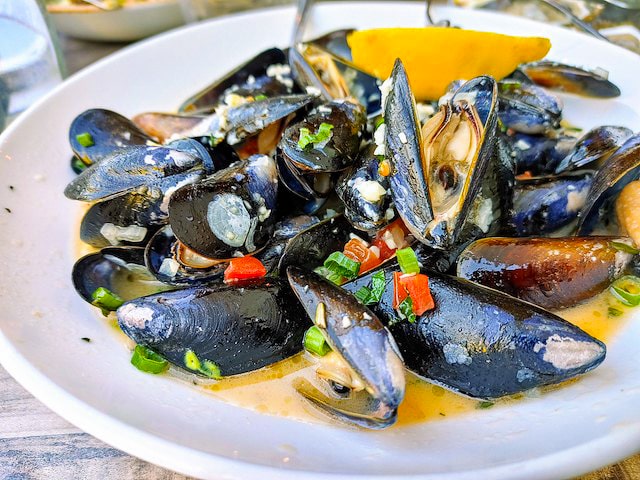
{"type": "Point", "coordinates": [43, 41]}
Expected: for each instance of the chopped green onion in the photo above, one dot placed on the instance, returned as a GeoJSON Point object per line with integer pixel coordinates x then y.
{"type": "Point", "coordinates": [333, 277]}
{"type": "Point", "coordinates": [307, 138]}
{"type": "Point", "coordinates": [614, 312]}
{"type": "Point", "coordinates": [501, 126]}
{"type": "Point", "coordinates": [484, 404]}
{"type": "Point", "coordinates": [210, 369]}
{"type": "Point", "coordinates": [406, 310]}
{"type": "Point", "coordinates": [408, 260]}
{"type": "Point", "coordinates": [378, 285]}
{"type": "Point", "coordinates": [191, 360]}
{"type": "Point", "coordinates": [85, 139]}
{"type": "Point", "coordinates": [627, 290]}
{"type": "Point", "coordinates": [78, 165]}
{"type": "Point", "coordinates": [106, 300]}
{"type": "Point", "coordinates": [623, 247]}
{"type": "Point", "coordinates": [315, 343]}
{"type": "Point", "coordinates": [260, 96]}
{"type": "Point", "coordinates": [379, 121]}
{"type": "Point", "coordinates": [339, 263]}
{"type": "Point", "coordinates": [363, 295]}
{"type": "Point", "coordinates": [148, 361]}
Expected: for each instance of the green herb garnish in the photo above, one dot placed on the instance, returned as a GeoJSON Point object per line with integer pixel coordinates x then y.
{"type": "Point", "coordinates": [614, 312]}
{"type": "Point", "coordinates": [363, 295]}
{"type": "Point", "coordinates": [210, 369]}
{"type": "Point", "coordinates": [307, 138]}
{"type": "Point", "coordinates": [627, 290]}
{"type": "Point", "coordinates": [623, 247]}
{"type": "Point", "coordinates": [333, 277]}
{"type": "Point", "coordinates": [85, 139]}
{"type": "Point", "coordinates": [206, 367]}
{"type": "Point", "coordinates": [339, 263]}
{"type": "Point", "coordinates": [485, 404]}
{"type": "Point", "coordinates": [408, 260]}
{"type": "Point", "coordinates": [106, 300]}
{"type": "Point", "coordinates": [379, 121]}
{"type": "Point", "coordinates": [260, 96]}
{"type": "Point", "coordinates": [372, 295]}
{"type": "Point", "coordinates": [148, 361]}
{"type": "Point", "coordinates": [406, 310]}
{"type": "Point", "coordinates": [315, 343]}
{"type": "Point", "coordinates": [191, 360]}
{"type": "Point", "coordinates": [78, 165]}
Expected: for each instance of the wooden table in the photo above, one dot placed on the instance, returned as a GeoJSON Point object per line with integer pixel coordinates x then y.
{"type": "Point", "coordinates": [36, 444]}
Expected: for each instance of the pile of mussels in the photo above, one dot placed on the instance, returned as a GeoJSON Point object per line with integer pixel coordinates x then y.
{"type": "Point", "coordinates": [498, 198]}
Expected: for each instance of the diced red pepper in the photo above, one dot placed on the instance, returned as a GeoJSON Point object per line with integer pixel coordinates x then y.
{"type": "Point", "coordinates": [244, 268]}
{"type": "Point", "coordinates": [358, 251]}
{"type": "Point", "coordinates": [415, 286]}
{"type": "Point", "coordinates": [390, 238]}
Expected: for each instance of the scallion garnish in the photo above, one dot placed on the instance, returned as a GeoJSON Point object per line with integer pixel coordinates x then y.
{"type": "Point", "coordinates": [627, 290]}
{"type": "Point", "coordinates": [210, 369]}
{"type": "Point", "coordinates": [85, 139]}
{"type": "Point", "coordinates": [307, 138]}
{"type": "Point", "coordinates": [407, 260]}
{"type": "Point", "coordinates": [315, 343]}
{"type": "Point", "coordinates": [191, 360]}
{"type": "Point", "coordinates": [339, 263]}
{"type": "Point", "coordinates": [148, 361]}
{"type": "Point", "coordinates": [333, 277]}
{"type": "Point", "coordinates": [484, 404]}
{"type": "Point", "coordinates": [260, 96]}
{"type": "Point", "coordinates": [623, 247]}
{"type": "Point", "coordinates": [379, 121]}
{"type": "Point", "coordinates": [77, 165]}
{"type": "Point", "coordinates": [106, 300]}
{"type": "Point", "coordinates": [406, 310]}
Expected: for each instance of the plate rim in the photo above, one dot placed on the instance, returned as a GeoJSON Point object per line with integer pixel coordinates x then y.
{"type": "Point", "coordinates": [77, 412]}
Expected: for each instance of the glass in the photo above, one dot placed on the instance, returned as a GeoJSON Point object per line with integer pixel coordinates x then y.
{"type": "Point", "coordinates": [195, 10]}
{"type": "Point", "coordinates": [30, 65]}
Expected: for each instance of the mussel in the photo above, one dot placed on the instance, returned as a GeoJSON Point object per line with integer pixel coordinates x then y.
{"type": "Point", "coordinates": [230, 212]}
{"type": "Point", "coordinates": [572, 79]}
{"type": "Point", "coordinates": [483, 343]}
{"type": "Point", "coordinates": [549, 272]}
{"type": "Point", "coordinates": [223, 329]}
{"type": "Point", "coordinates": [367, 387]}
{"type": "Point", "coordinates": [437, 174]}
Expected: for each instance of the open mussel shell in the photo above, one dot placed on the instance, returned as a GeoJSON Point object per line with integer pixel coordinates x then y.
{"type": "Point", "coordinates": [335, 42]}
{"type": "Point", "coordinates": [538, 154]}
{"type": "Point", "coordinates": [334, 153]}
{"type": "Point", "coordinates": [310, 247]}
{"type": "Point", "coordinates": [552, 273]}
{"type": "Point", "coordinates": [483, 343]}
{"type": "Point", "coordinates": [229, 213]}
{"type": "Point", "coordinates": [267, 73]}
{"type": "Point", "coordinates": [128, 169]}
{"type": "Point", "coordinates": [165, 260]}
{"type": "Point", "coordinates": [358, 337]}
{"type": "Point", "coordinates": [594, 148]}
{"type": "Point", "coordinates": [336, 77]}
{"type": "Point", "coordinates": [437, 174]}
{"type": "Point", "coordinates": [544, 204]}
{"type": "Point", "coordinates": [121, 270]}
{"type": "Point", "coordinates": [109, 132]}
{"type": "Point", "coordinates": [237, 329]}
{"type": "Point", "coordinates": [364, 192]}
{"type": "Point", "coordinates": [621, 168]}
{"type": "Point", "coordinates": [527, 108]}
{"type": "Point", "coordinates": [572, 79]}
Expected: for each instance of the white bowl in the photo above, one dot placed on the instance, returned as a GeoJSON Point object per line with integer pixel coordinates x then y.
{"type": "Point", "coordinates": [131, 22]}
{"type": "Point", "coordinates": [565, 432]}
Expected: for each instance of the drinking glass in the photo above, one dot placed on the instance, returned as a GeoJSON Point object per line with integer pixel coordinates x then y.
{"type": "Point", "coordinates": [29, 61]}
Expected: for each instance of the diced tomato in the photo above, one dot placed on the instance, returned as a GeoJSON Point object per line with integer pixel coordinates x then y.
{"type": "Point", "coordinates": [244, 268]}
{"type": "Point", "coordinates": [358, 250]}
{"type": "Point", "coordinates": [391, 238]}
{"type": "Point", "coordinates": [399, 292]}
{"type": "Point", "coordinates": [415, 286]}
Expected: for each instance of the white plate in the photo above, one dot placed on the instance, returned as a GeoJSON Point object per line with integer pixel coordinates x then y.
{"type": "Point", "coordinates": [132, 22]}
{"type": "Point", "coordinates": [566, 432]}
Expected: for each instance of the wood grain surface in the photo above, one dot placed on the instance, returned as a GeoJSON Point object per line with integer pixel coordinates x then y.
{"type": "Point", "coordinates": [36, 444]}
